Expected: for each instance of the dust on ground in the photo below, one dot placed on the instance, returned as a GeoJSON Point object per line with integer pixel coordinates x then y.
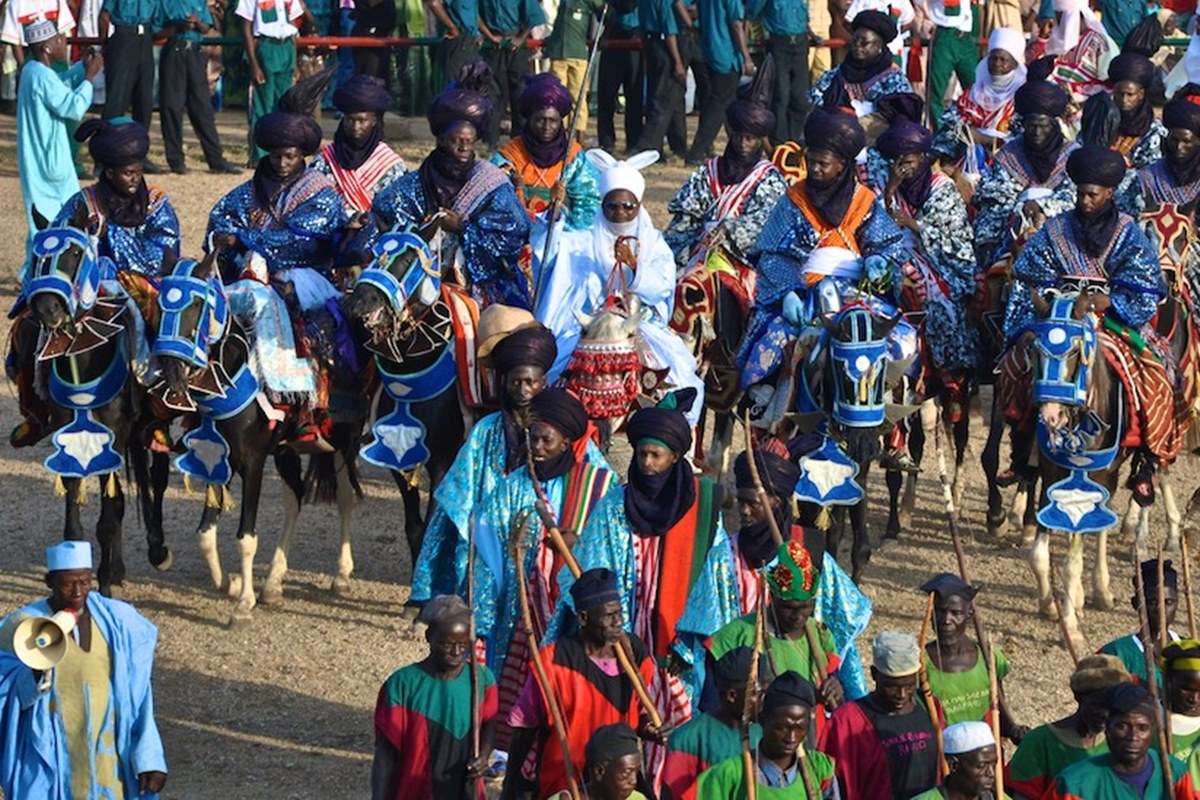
{"type": "Point", "coordinates": [282, 707]}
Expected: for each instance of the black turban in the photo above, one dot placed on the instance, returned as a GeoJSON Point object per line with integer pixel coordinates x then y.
{"type": "Point", "coordinates": [902, 105]}
{"type": "Point", "coordinates": [562, 410]}
{"type": "Point", "coordinates": [544, 90]}
{"type": "Point", "coordinates": [1131, 67]}
{"type": "Point", "coordinates": [835, 131]}
{"type": "Point", "coordinates": [285, 129]}
{"type": "Point", "coordinates": [946, 585]}
{"type": "Point", "coordinates": [116, 142]}
{"type": "Point", "coordinates": [750, 117]}
{"type": "Point", "coordinates": [904, 137]}
{"type": "Point", "coordinates": [877, 21]}
{"type": "Point", "coordinates": [665, 422]}
{"type": "Point", "coordinates": [789, 689]}
{"type": "Point", "coordinates": [464, 100]}
{"type": "Point", "coordinates": [1126, 698]}
{"type": "Point", "coordinates": [778, 475]}
{"type": "Point", "coordinates": [1150, 575]}
{"type": "Point", "coordinates": [733, 668]}
{"type": "Point", "coordinates": [594, 588]}
{"type": "Point", "coordinates": [1183, 111]}
{"type": "Point", "coordinates": [1096, 165]}
{"type": "Point", "coordinates": [528, 347]}
{"type": "Point", "coordinates": [362, 93]}
{"type": "Point", "coordinates": [610, 742]}
{"type": "Point", "coordinates": [1041, 97]}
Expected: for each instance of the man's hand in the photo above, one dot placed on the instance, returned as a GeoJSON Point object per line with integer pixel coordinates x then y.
{"type": "Point", "coordinates": [655, 733]}
{"type": "Point", "coordinates": [257, 75]}
{"type": "Point", "coordinates": [558, 192]}
{"type": "Point", "coordinates": [623, 252]}
{"type": "Point", "coordinates": [225, 241]}
{"type": "Point", "coordinates": [748, 65]}
{"type": "Point", "coordinates": [679, 72]}
{"type": "Point", "coordinates": [151, 782]}
{"type": "Point", "coordinates": [1017, 733]}
{"type": "Point", "coordinates": [477, 766]}
{"type": "Point", "coordinates": [831, 694]}
{"type": "Point", "coordinates": [1034, 213]}
{"type": "Point", "coordinates": [569, 538]}
{"type": "Point", "coordinates": [451, 222]}
{"type": "Point", "coordinates": [452, 32]}
{"type": "Point", "coordinates": [92, 65]}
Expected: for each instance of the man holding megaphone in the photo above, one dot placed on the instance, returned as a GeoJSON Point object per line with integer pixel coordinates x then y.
{"type": "Point", "coordinates": [76, 706]}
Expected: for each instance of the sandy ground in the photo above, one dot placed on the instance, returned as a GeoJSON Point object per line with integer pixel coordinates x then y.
{"type": "Point", "coordinates": [281, 707]}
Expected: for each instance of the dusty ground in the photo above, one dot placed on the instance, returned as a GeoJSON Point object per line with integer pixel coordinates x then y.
{"type": "Point", "coordinates": [281, 707]}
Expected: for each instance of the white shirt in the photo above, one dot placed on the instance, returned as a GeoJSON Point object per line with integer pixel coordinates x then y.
{"type": "Point", "coordinates": [962, 22]}
{"type": "Point", "coordinates": [18, 13]}
{"type": "Point", "coordinates": [272, 18]}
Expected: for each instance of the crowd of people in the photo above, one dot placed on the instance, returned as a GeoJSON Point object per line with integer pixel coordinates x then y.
{"type": "Point", "coordinates": [592, 634]}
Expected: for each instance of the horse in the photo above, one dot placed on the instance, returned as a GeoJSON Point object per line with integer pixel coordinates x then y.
{"type": "Point", "coordinates": [87, 342]}
{"type": "Point", "coordinates": [401, 314]}
{"type": "Point", "coordinates": [209, 368]}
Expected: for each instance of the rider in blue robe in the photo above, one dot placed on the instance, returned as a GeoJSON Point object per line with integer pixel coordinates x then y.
{"type": "Point", "coordinates": [867, 76]}
{"type": "Point", "coordinates": [135, 223]}
{"type": "Point", "coordinates": [471, 201]}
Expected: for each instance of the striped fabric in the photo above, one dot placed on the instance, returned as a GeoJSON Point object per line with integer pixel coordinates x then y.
{"type": "Point", "coordinates": [358, 186]}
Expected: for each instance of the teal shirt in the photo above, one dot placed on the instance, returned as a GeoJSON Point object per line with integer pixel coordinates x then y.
{"type": "Point", "coordinates": [133, 12]}
{"type": "Point", "coordinates": [780, 17]}
{"type": "Point", "coordinates": [465, 14]}
{"type": "Point", "coordinates": [176, 11]}
{"type": "Point", "coordinates": [716, 40]}
{"type": "Point", "coordinates": [1120, 17]}
{"type": "Point", "coordinates": [510, 16]}
{"type": "Point", "coordinates": [658, 16]}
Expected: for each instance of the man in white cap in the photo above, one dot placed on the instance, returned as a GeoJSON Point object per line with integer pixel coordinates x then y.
{"type": "Point", "coordinates": [885, 745]}
{"type": "Point", "coordinates": [970, 752]}
{"type": "Point", "coordinates": [621, 253]}
{"type": "Point", "coordinates": [47, 102]}
{"type": "Point", "coordinates": [84, 728]}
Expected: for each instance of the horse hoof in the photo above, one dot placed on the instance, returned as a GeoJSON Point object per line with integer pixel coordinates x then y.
{"type": "Point", "coordinates": [167, 561]}
{"type": "Point", "coordinates": [341, 587]}
{"type": "Point", "coordinates": [239, 617]}
{"type": "Point", "coordinates": [1028, 535]}
{"type": "Point", "coordinates": [1171, 545]}
{"type": "Point", "coordinates": [272, 594]}
{"type": "Point", "coordinates": [1046, 609]}
{"type": "Point", "coordinates": [234, 586]}
{"type": "Point", "coordinates": [1104, 602]}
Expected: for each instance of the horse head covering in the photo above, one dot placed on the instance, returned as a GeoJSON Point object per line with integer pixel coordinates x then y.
{"type": "Point", "coordinates": [625, 174]}
{"type": "Point", "coordinates": [465, 100]}
{"type": "Point", "coordinates": [1067, 33]}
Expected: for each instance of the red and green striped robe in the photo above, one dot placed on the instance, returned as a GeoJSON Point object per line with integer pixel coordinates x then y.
{"type": "Point", "coordinates": [1044, 753]}
{"type": "Point", "coordinates": [1094, 779]}
{"type": "Point", "coordinates": [428, 722]}
{"type": "Point", "coordinates": [695, 747]}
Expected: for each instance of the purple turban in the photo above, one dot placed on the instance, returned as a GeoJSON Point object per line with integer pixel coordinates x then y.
{"type": "Point", "coordinates": [544, 91]}
{"type": "Point", "coordinates": [464, 100]}
{"type": "Point", "coordinates": [362, 93]}
{"type": "Point", "coordinates": [561, 410]}
{"type": "Point", "coordinates": [116, 142]}
{"type": "Point", "coordinates": [1132, 67]}
{"type": "Point", "coordinates": [285, 129]}
{"type": "Point", "coordinates": [902, 105]}
{"type": "Point", "coordinates": [1184, 109]}
{"type": "Point", "coordinates": [1096, 165]}
{"type": "Point", "coordinates": [904, 137]}
{"type": "Point", "coordinates": [1041, 97]}
{"type": "Point", "coordinates": [835, 131]}
{"type": "Point", "coordinates": [750, 117]}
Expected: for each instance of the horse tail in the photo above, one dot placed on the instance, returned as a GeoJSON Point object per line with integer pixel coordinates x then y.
{"type": "Point", "coordinates": [137, 474]}
{"type": "Point", "coordinates": [321, 479]}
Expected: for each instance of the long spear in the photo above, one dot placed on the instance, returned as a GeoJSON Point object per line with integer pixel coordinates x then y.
{"type": "Point", "coordinates": [1187, 585]}
{"type": "Point", "coordinates": [748, 767]}
{"type": "Point", "coordinates": [994, 702]}
{"type": "Point", "coordinates": [474, 674]}
{"type": "Point", "coordinates": [1164, 752]}
{"type": "Point", "coordinates": [579, 101]}
{"type": "Point", "coordinates": [927, 689]}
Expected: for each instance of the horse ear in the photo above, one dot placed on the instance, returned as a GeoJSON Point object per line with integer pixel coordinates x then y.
{"type": "Point", "coordinates": [80, 218]}
{"type": "Point", "coordinates": [168, 261]}
{"type": "Point", "coordinates": [584, 319]}
{"type": "Point", "coordinates": [1041, 306]}
{"type": "Point", "coordinates": [883, 328]}
{"type": "Point", "coordinates": [39, 222]}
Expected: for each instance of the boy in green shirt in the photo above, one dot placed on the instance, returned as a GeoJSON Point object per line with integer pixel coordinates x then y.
{"type": "Point", "coordinates": [567, 49]}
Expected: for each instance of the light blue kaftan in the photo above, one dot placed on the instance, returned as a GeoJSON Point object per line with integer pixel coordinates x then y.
{"type": "Point", "coordinates": [608, 541]}
{"type": "Point", "coordinates": [138, 249]}
{"type": "Point", "coordinates": [34, 762]}
{"type": "Point", "coordinates": [496, 231]}
{"type": "Point", "coordinates": [478, 469]}
{"type": "Point", "coordinates": [1130, 266]}
{"type": "Point", "coordinates": [581, 181]}
{"type": "Point", "coordinates": [46, 102]}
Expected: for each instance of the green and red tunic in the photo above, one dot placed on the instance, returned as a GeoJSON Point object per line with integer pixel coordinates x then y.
{"type": "Point", "coordinates": [1044, 753]}
{"type": "Point", "coordinates": [1094, 779]}
{"type": "Point", "coordinates": [702, 742]}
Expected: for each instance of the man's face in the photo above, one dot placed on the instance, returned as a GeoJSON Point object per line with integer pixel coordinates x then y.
{"type": "Point", "coordinates": [359, 125]}
{"type": "Point", "coordinates": [654, 459]}
{"type": "Point", "coordinates": [621, 206]}
{"type": "Point", "coordinates": [975, 772]}
{"type": "Point", "coordinates": [951, 616]}
{"type": "Point", "coordinates": [894, 694]}
{"type": "Point", "coordinates": [1184, 692]}
{"type": "Point", "coordinates": [783, 730]}
{"type": "Point", "coordinates": [1000, 63]}
{"type": "Point", "coordinates": [824, 166]}
{"type": "Point", "coordinates": [546, 124]}
{"type": "Point", "coordinates": [1181, 144]}
{"type": "Point", "coordinates": [618, 778]}
{"type": "Point", "coordinates": [522, 383]}
{"type": "Point", "coordinates": [744, 145]}
{"type": "Point", "coordinates": [69, 588]}
{"type": "Point", "coordinates": [1129, 736]}
{"type": "Point", "coordinates": [908, 165]}
{"type": "Point", "coordinates": [792, 615]}
{"type": "Point", "coordinates": [1170, 606]}
{"type": "Point", "coordinates": [449, 644]}
{"type": "Point", "coordinates": [459, 142]}
{"type": "Point", "coordinates": [546, 442]}
{"type": "Point", "coordinates": [750, 508]}
{"type": "Point", "coordinates": [602, 623]}
{"type": "Point", "coordinates": [1091, 199]}
{"type": "Point", "coordinates": [286, 161]}
{"type": "Point", "coordinates": [1128, 96]}
{"type": "Point", "coordinates": [865, 45]}
{"type": "Point", "coordinates": [1093, 711]}
{"type": "Point", "coordinates": [126, 180]}
{"type": "Point", "coordinates": [1039, 128]}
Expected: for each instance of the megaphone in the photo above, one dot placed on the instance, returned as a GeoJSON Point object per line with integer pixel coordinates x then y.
{"type": "Point", "coordinates": [40, 642]}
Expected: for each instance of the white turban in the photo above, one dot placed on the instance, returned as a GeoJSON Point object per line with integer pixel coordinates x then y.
{"type": "Point", "coordinates": [621, 174]}
{"type": "Point", "coordinates": [1010, 41]}
{"type": "Point", "coordinates": [967, 737]}
{"type": "Point", "coordinates": [992, 93]}
{"type": "Point", "coordinates": [1067, 32]}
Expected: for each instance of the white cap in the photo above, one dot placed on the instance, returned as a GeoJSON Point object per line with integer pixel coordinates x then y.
{"type": "Point", "coordinates": [1009, 40]}
{"type": "Point", "coordinates": [967, 737]}
{"type": "Point", "coordinates": [69, 555]}
{"type": "Point", "coordinates": [621, 174]}
{"type": "Point", "coordinates": [40, 30]}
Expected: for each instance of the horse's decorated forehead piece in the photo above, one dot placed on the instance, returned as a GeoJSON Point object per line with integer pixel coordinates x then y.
{"type": "Point", "coordinates": [78, 288]}
{"type": "Point", "coordinates": [180, 291]}
{"type": "Point", "coordinates": [1060, 378]}
{"type": "Point", "coordinates": [399, 289]}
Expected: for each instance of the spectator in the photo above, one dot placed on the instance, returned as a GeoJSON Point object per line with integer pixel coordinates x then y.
{"type": "Point", "coordinates": [955, 50]}
{"type": "Point", "coordinates": [127, 30]}
{"type": "Point", "coordinates": [269, 30]}
{"type": "Point", "coordinates": [621, 71]}
{"type": "Point", "coordinates": [459, 23]}
{"type": "Point", "coordinates": [687, 16]}
{"type": "Point", "coordinates": [505, 25]}
{"type": "Point", "coordinates": [788, 38]}
{"type": "Point", "coordinates": [567, 49]}
{"type": "Point", "coordinates": [666, 74]}
{"type": "Point", "coordinates": [376, 19]}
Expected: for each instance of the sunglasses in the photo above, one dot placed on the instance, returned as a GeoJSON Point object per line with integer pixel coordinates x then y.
{"type": "Point", "coordinates": [620, 205]}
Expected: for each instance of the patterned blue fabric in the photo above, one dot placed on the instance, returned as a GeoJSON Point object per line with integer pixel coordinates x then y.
{"type": "Point", "coordinates": [998, 197]}
{"type": "Point", "coordinates": [1148, 148]}
{"type": "Point", "coordinates": [694, 212]}
{"type": "Point", "coordinates": [138, 249]}
{"type": "Point", "coordinates": [1131, 265]}
{"type": "Point", "coordinates": [846, 612]}
{"type": "Point", "coordinates": [1153, 186]}
{"type": "Point", "coordinates": [490, 245]}
{"type": "Point", "coordinates": [583, 189]}
{"type": "Point", "coordinates": [302, 232]}
{"type": "Point", "coordinates": [607, 541]}
{"type": "Point", "coordinates": [891, 82]}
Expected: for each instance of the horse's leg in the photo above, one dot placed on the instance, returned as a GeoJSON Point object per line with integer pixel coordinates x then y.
{"type": "Point", "coordinates": [895, 483]}
{"type": "Point", "coordinates": [962, 435]}
{"type": "Point", "coordinates": [151, 473]}
{"type": "Point", "coordinates": [1031, 500]}
{"type": "Point", "coordinates": [861, 553]}
{"type": "Point", "coordinates": [1191, 516]}
{"type": "Point", "coordinates": [989, 459]}
{"type": "Point", "coordinates": [252, 478]}
{"type": "Point", "coordinates": [837, 525]}
{"type": "Point", "coordinates": [1070, 616]}
{"type": "Point", "coordinates": [918, 440]}
{"type": "Point", "coordinates": [1129, 523]}
{"type": "Point", "coordinates": [1073, 571]}
{"type": "Point", "coordinates": [206, 535]}
{"type": "Point", "coordinates": [347, 499]}
{"type": "Point", "coordinates": [72, 501]}
{"type": "Point", "coordinates": [1102, 596]}
{"type": "Point", "coordinates": [414, 525]}
{"type": "Point", "coordinates": [287, 464]}
{"type": "Point", "coordinates": [108, 534]}
{"type": "Point", "coordinates": [1174, 518]}
{"type": "Point", "coordinates": [1039, 562]}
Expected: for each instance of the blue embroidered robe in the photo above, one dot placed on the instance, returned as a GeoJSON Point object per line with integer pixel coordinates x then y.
{"type": "Point", "coordinates": [34, 760]}
{"type": "Point", "coordinates": [138, 249]}
{"type": "Point", "coordinates": [892, 81]}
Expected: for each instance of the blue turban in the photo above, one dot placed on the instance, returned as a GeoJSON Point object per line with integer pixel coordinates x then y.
{"type": "Point", "coordinates": [544, 91]}
{"type": "Point", "coordinates": [362, 93]}
{"type": "Point", "coordinates": [286, 129]}
{"type": "Point", "coordinates": [116, 142]}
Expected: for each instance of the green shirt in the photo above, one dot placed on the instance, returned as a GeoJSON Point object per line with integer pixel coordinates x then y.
{"type": "Point", "coordinates": [1045, 752]}
{"type": "Point", "coordinates": [936, 794]}
{"type": "Point", "coordinates": [965, 696]}
{"type": "Point", "coordinates": [569, 39]}
{"type": "Point", "coordinates": [786, 654]}
{"type": "Point", "coordinates": [1185, 733]}
{"type": "Point", "coordinates": [1129, 650]}
{"type": "Point", "coordinates": [727, 780]}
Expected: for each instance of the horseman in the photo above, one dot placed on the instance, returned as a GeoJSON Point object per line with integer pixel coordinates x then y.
{"type": "Point", "coordinates": [829, 212]}
{"type": "Point", "coordinates": [1027, 182]}
{"type": "Point", "coordinates": [544, 163]}
{"type": "Point", "coordinates": [470, 202]}
{"type": "Point", "coordinates": [723, 205]}
{"type": "Point", "coordinates": [1139, 135]}
{"type": "Point", "coordinates": [940, 278]}
{"type": "Point", "coordinates": [621, 255]}
{"type": "Point", "coordinates": [135, 224]}
{"type": "Point", "coordinates": [1098, 244]}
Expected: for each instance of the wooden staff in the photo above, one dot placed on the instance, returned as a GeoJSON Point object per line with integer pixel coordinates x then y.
{"type": "Point", "coordinates": [476, 711]}
{"type": "Point", "coordinates": [1187, 585]}
{"type": "Point", "coordinates": [1062, 620]}
{"type": "Point", "coordinates": [927, 690]}
{"type": "Point", "coordinates": [539, 669]}
{"type": "Point", "coordinates": [994, 701]}
{"type": "Point", "coordinates": [1160, 596]}
{"type": "Point", "coordinates": [1164, 748]}
{"type": "Point", "coordinates": [748, 766]}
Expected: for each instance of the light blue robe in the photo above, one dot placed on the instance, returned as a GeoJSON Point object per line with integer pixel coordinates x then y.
{"type": "Point", "coordinates": [34, 762]}
{"type": "Point", "coordinates": [46, 102]}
